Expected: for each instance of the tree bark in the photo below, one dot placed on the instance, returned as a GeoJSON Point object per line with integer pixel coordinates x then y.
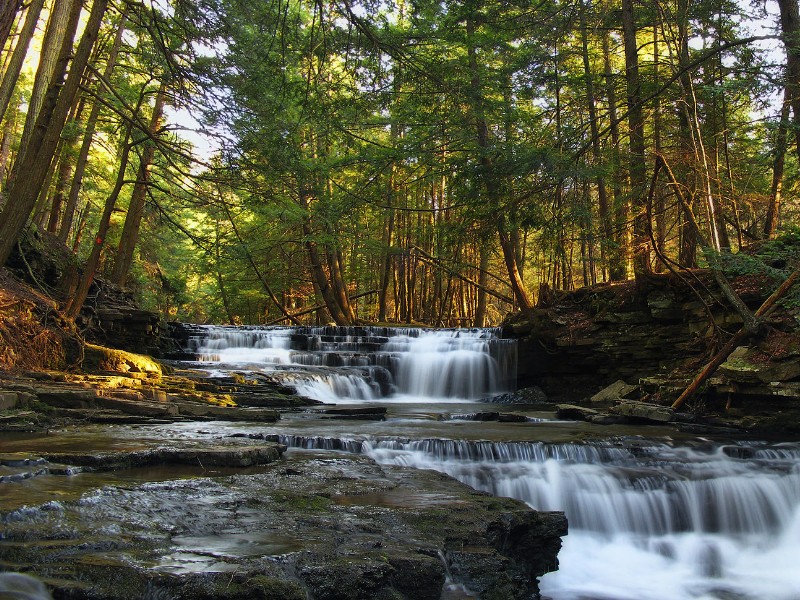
{"type": "Point", "coordinates": [58, 40]}
{"type": "Point", "coordinates": [88, 135]}
{"type": "Point", "coordinates": [773, 208]}
{"type": "Point", "coordinates": [8, 14]}
{"type": "Point", "coordinates": [133, 219]}
{"type": "Point", "coordinates": [35, 161]}
{"type": "Point", "coordinates": [18, 56]}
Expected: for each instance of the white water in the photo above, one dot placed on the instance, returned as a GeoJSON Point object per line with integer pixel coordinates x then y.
{"type": "Point", "coordinates": [669, 525]}
{"type": "Point", "coordinates": [648, 520]}
{"type": "Point", "coordinates": [367, 364]}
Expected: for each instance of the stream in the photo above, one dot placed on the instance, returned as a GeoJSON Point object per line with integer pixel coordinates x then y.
{"type": "Point", "coordinates": [658, 517]}
{"type": "Point", "coordinates": [653, 514]}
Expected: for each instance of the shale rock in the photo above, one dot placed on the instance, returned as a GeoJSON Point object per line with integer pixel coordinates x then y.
{"type": "Point", "coordinates": [330, 528]}
{"type": "Point", "coordinates": [644, 411]}
{"type": "Point", "coordinates": [575, 412]}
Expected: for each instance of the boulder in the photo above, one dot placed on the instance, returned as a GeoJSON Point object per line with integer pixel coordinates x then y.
{"type": "Point", "coordinates": [573, 412]}
{"type": "Point", "coordinates": [102, 359]}
{"type": "Point", "coordinates": [614, 392]}
{"type": "Point", "coordinates": [748, 365]}
{"type": "Point", "coordinates": [643, 411]}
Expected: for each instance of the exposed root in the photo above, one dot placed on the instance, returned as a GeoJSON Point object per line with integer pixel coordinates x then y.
{"type": "Point", "coordinates": [33, 333]}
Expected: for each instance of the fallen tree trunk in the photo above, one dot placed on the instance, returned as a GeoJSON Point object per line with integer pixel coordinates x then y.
{"type": "Point", "coordinates": [737, 338]}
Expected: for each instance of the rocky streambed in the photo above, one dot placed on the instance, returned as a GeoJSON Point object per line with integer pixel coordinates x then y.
{"type": "Point", "coordinates": [241, 518]}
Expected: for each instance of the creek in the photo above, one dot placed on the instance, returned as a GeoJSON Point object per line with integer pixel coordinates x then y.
{"type": "Point", "coordinates": [654, 514]}
{"type": "Point", "coordinates": [661, 516]}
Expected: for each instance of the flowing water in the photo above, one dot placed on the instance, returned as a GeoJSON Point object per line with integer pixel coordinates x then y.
{"type": "Point", "coordinates": [654, 518]}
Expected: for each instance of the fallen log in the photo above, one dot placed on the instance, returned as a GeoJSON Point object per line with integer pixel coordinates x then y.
{"type": "Point", "coordinates": [737, 338]}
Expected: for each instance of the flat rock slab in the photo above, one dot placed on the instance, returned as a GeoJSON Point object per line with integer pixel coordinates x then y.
{"type": "Point", "coordinates": [228, 456]}
{"type": "Point", "coordinates": [614, 392]}
{"type": "Point", "coordinates": [309, 526]}
{"type": "Point", "coordinates": [575, 412]}
{"type": "Point", "coordinates": [644, 411]}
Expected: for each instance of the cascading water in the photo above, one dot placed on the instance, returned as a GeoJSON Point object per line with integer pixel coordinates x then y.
{"type": "Point", "coordinates": [649, 520]}
{"type": "Point", "coordinates": [334, 364]}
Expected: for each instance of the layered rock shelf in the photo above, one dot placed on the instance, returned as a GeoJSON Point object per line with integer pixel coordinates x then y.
{"type": "Point", "coordinates": [338, 527]}
{"type": "Point", "coordinates": [655, 336]}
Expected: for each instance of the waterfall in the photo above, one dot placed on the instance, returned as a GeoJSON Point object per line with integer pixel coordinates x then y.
{"type": "Point", "coordinates": [334, 364]}
{"type": "Point", "coordinates": [648, 519]}
{"type": "Point", "coordinates": [652, 520]}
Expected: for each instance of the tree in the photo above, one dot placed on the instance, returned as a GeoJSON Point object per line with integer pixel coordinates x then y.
{"type": "Point", "coordinates": [34, 162]}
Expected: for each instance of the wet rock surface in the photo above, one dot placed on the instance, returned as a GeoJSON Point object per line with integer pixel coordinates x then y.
{"type": "Point", "coordinates": [126, 388]}
{"type": "Point", "coordinates": [311, 525]}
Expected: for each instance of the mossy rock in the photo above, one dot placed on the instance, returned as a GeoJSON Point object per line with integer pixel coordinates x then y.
{"type": "Point", "coordinates": [100, 359]}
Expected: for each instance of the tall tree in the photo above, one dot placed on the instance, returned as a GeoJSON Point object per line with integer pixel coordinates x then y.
{"type": "Point", "coordinates": [636, 152]}
{"type": "Point", "coordinates": [130, 230]}
{"type": "Point", "coordinates": [58, 40]}
{"type": "Point", "coordinates": [14, 66]}
{"type": "Point", "coordinates": [37, 155]}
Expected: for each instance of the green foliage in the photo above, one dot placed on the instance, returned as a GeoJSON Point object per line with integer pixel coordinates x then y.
{"type": "Point", "coordinates": [774, 259]}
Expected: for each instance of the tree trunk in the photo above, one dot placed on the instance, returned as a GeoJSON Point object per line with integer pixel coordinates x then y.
{"type": "Point", "coordinates": [88, 135]}
{"type": "Point", "coordinates": [8, 14]}
{"type": "Point", "coordinates": [660, 204]}
{"type": "Point", "coordinates": [58, 40]}
{"type": "Point", "coordinates": [5, 153]}
{"type": "Point", "coordinates": [606, 217]}
{"type": "Point", "coordinates": [218, 268]}
{"type": "Point", "coordinates": [133, 219]}
{"type": "Point", "coordinates": [790, 26]}
{"type": "Point", "coordinates": [524, 301]}
{"type": "Point", "coordinates": [90, 268]}
{"type": "Point", "coordinates": [687, 256]}
{"type": "Point", "coordinates": [483, 280]}
{"type": "Point", "coordinates": [18, 56]}
{"type": "Point", "coordinates": [618, 249]}
{"type": "Point", "coordinates": [317, 270]}
{"type": "Point", "coordinates": [35, 162]}
{"type": "Point", "coordinates": [490, 184]}
{"type": "Point", "coordinates": [64, 172]}
{"type": "Point", "coordinates": [638, 167]}
{"type": "Point", "coordinates": [773, 208]}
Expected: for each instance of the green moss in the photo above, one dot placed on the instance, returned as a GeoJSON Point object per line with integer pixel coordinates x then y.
{"type": "Point", "coordinates": [100, 358]}
{"type": "Point", "coordinates": [315, 503]}
{"type": "Point", "coordinates": [271, 588]}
